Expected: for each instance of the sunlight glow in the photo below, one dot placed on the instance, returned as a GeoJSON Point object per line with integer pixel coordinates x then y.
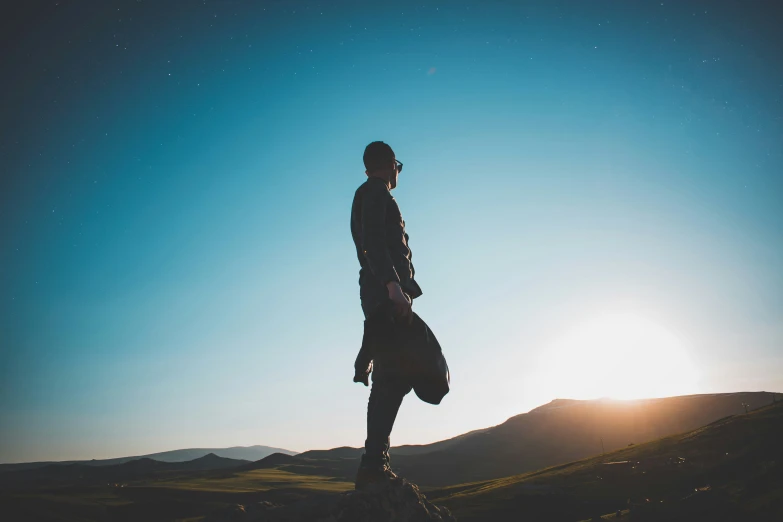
{"type": "Point", "coordinates": [620, 356]}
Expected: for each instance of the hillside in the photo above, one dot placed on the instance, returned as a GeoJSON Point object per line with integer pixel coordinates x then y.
{"type": "Point", "coordinates": [731, 469]}
{"type": "Point", "coordinates": [558, 432]}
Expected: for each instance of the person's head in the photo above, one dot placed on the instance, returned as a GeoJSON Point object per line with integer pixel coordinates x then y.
{"type": "Point", "coordinates": [380, 162]}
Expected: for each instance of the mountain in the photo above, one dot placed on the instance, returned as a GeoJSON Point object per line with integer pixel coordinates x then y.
{"type": "Point", "coordinates": [272, 461]}
{"type": "Point", "coordinates": [343, 452]}
{"type": "Point", "coordinates": [132, 470]}
{"type": "Point", "coordinates": [418, 449]}
{"type": "Point", "coordinates": [729, 470]}
{"type": "Point", "coordinates": [250, 453]}
{"type": "Point", "coordinates": [210, 461]}
{"type": "Point", "coordinates": [347, 452]}
{"type": "Point", "coordinates": [555, 433]}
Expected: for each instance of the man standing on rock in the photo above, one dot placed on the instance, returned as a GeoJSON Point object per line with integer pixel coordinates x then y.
{"type": "Point", "coordinates": [385, 283]}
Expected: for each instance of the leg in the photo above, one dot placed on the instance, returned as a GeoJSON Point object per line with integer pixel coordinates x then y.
{"type": "Point", "coordinates": [385, 400]}
{"type": "Point", "coordinates": [388, 390]}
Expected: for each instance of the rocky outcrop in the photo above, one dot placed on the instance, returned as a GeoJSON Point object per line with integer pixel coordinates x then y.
{"type": "Point", "coordinates": [393, 501]}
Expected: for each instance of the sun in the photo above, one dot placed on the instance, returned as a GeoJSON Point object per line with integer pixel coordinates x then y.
{"type": "Point", "coordinates": [620, 356]}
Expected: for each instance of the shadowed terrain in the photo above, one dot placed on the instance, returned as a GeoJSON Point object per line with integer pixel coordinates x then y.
{"type": "Point", "coordinates": [728, 469]}
{"type": "Point", "coordinates": [558, 432]}
{"type": "Point", "coordinates": [731, 469]}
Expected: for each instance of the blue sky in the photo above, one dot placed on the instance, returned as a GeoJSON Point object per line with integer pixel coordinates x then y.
{"type": "Point", "coordinates": [176, 263]}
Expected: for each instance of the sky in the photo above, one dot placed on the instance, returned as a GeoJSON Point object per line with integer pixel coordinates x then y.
{"type": "Point", "coordinates": [592, 192]}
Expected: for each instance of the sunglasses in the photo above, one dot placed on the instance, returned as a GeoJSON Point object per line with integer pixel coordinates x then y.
{"type": "Point", "coordinates": [399, 166]}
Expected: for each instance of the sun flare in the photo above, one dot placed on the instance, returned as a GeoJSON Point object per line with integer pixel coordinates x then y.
{"type": "Point", "coordinates": [620, 356]}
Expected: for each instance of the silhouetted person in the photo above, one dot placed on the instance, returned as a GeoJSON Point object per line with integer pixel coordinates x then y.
{"type": "Point", "coordinates": [385, 279]}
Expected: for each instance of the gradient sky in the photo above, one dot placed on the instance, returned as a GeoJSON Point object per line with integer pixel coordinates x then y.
{"type": "Point", "coordinates": [176, 265]}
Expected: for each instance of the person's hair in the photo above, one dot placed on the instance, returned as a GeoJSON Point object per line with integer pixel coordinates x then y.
{"type": "Point", "coordinates": [377, 155]}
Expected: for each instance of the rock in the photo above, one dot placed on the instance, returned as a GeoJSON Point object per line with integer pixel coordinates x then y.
{"type": "Point", "coordinates": [241, 513]}
{"type": "Point", "coordinates": [394, 501]}
{"type": "Point", "coordinates": [229, 513]}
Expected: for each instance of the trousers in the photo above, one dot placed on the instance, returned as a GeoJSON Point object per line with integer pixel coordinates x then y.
{"type": "Point", "coordinates": [385, 399]}
{"type": "Point", "coordinates": [386, 395]}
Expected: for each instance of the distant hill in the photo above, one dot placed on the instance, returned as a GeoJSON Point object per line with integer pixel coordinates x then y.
{"type": "Point", "coordinates": [420, 449]}
{"type": "Point", "coordinates": [136, 469]}
{"type": "Point", "coordinates": [343, 452]}
{"type": "Point", "coordinates": [555, 433]}
{"type": "Point", "coordinates": [729, 470]}
{"type": "Point", "coordinates": [211, 461]}
{"type": "Point", "coordinates": [272, 461]}
{"type": "Point", "coordinates": [250, 453]}
{"type": "Point", "coordinates": [347, 452]}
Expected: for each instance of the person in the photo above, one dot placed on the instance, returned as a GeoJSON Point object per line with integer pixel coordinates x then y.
{"type": "Point", "coordinates": [386, 284]}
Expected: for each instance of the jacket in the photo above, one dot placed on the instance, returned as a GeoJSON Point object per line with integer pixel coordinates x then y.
{"type": "Point", "coordinates": [402, 351]}
{"type": "Point", "coordinates": [381, 242]}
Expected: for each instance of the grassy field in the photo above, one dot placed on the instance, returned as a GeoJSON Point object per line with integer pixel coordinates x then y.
{"type": "Point", "coordinates": [253, 481]}
{"type": "Point", "coordinates": [180, 498]}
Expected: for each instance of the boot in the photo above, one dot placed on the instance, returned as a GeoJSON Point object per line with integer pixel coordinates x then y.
{"type": "Point", "coordinates": [387, 464]}
{"type": "Point", "coordinates": [373, 472]}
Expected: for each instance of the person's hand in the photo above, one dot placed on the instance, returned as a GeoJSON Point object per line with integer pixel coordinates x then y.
{"type": "Point", "coordinates": [402, 304]}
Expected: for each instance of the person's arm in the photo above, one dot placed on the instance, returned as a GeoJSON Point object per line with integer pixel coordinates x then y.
{"type": "Point", "coordinates": [374, 235]}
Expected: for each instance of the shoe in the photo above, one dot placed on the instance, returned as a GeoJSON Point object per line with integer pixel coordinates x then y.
{"type": "Point", "coordinates": [368, 474]}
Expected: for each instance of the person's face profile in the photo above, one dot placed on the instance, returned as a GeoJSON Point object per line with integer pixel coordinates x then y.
{"type": "Point", "coordinates": [389, 173]}
{"type": "Point", "coordinates": [394, 173]}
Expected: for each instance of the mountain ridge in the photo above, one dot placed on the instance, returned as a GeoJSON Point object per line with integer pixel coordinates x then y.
{"type": "Point", "coordinates": [560, 431]}
{"type": "Point", "coordinates": [248, 453]}
{"type": "Point", "coordinates": [730, 469]}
